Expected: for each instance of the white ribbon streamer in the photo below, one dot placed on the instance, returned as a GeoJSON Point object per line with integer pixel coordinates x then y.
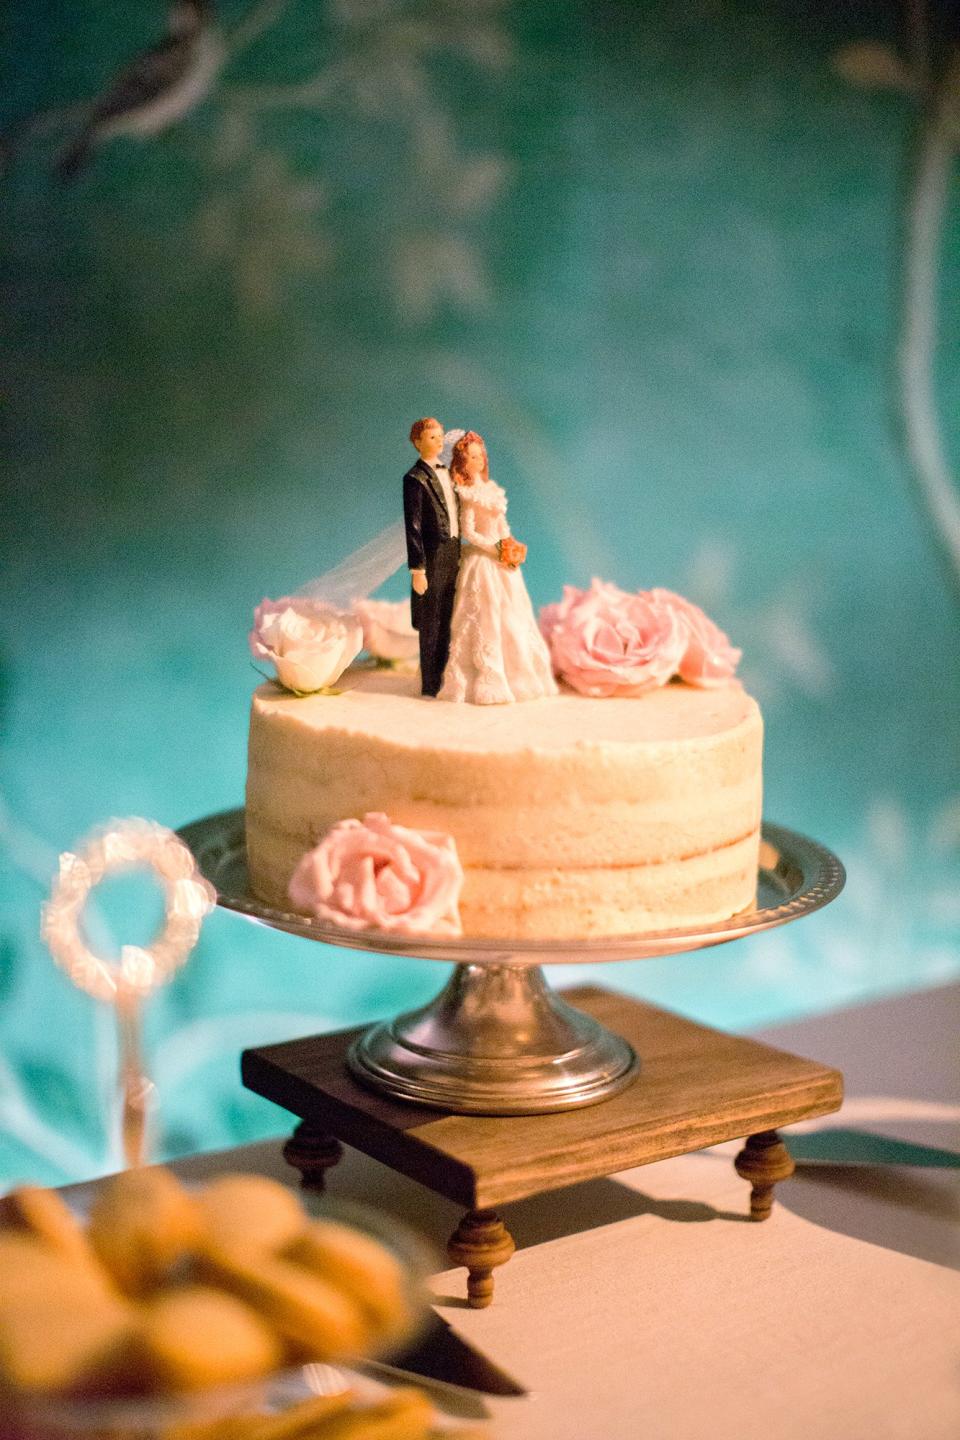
{"type": "Point", "coordinates": [366, 569]}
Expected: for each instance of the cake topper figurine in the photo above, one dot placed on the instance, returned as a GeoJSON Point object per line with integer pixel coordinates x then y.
{"type": "Point", "coordinates": [496, 652]}
{"type": "Point", "coordinates": [432, 522]}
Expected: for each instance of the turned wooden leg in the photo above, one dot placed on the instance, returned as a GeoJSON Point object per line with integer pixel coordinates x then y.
{"type": "Point", "coordinates": [480, 1242]}
{"type": "Point", "coordinates": [312, 1151]}
{"type": "Point", "coordinates": [763, 1161]}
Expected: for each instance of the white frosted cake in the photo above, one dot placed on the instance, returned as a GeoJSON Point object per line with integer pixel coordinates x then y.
{"type": "Point", "coordinates": [572, 816]}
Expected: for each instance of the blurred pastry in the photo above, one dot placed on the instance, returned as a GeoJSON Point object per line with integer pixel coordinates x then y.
{"type": "Point", "coordinates": [360, 1265]}
{"type": "Point", "coordinates": [312, 1313]}
{"type": "Point", "coordinates": [194, 1336]}
{"type": "Point", "coordinates": [47, 1216]}
{"type": "Point", "coordinates": [65, 1342]}
{"type": "Point", "coordinates": [141, 1224]}
{"type": "Point", "coordinates": [251, 1210]}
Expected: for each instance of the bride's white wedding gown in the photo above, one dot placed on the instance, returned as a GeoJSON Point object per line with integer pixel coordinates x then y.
{"type": "Point", "coordinates": [497, 653]}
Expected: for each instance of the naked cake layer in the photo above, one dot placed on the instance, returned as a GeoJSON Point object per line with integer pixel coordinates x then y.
{"type": "Point", "coordinates": [572, 816]}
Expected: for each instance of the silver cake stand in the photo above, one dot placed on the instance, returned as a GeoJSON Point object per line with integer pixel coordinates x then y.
{"type": "Point", "coordinates": [497, 1040]}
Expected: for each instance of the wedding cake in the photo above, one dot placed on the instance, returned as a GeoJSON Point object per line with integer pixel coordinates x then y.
{"type": "Point", "coordinates": [594, 772]}
{"type": "Point", "coordinates": [572, 816]}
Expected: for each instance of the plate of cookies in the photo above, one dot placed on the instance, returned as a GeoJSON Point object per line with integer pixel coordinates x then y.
{"type": "Point", "coordinates": [146, 1308]}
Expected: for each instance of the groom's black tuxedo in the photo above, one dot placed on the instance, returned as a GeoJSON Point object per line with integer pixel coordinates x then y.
{"type": "Point", "coordinates": [432, 548]}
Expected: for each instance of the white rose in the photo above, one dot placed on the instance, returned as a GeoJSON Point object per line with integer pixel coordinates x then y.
{"type": "Point", "coordinates": [388, 631]}
{"type": "Point", "coordinates": [309, 644]}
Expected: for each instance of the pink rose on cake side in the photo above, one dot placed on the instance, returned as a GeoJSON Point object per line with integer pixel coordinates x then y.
{"type": "Point", "coordinates": [374, 875]}
{"type": "Point", "coordinates": [606, 642]}
{"type": "Point", "coordinates": [709, 658]}
{"type": "Point", "coordinates": [388, 632]}
{"type": "Point", "coordinates": [308, 644]}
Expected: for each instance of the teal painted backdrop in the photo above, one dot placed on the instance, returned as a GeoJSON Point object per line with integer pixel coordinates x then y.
{"type": "Point", "coordinates": [651, 252]}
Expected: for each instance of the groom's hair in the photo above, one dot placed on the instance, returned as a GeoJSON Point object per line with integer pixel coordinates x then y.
{"type": "Point", "coordinates": [418, 427]}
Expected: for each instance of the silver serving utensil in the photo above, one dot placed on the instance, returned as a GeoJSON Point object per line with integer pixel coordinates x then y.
{"type": "Point", "coordinates": [441, 1357]}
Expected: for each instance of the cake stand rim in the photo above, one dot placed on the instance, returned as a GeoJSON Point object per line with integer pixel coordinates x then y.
{"type": "Point", "coordinates": [822, 879]}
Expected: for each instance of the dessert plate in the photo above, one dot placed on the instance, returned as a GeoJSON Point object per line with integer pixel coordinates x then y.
{"type": "Point", "coordinates": [205, 1411]}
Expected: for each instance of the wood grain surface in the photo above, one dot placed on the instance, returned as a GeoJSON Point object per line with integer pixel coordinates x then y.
{"type": "Point", "coordinates": [696, 1087]}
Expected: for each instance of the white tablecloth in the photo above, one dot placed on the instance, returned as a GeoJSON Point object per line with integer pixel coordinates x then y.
{"type": "Point", "coordinates": [647, 1306]}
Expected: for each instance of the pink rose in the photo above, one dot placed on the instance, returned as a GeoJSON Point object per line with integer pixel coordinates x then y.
{"type": "Point", "coordinates": [709, 658]}
{"type": "Point", "coordinates": [309, 644]}
{"type": "Point", "coordinates": [388, 632]}
{"type": "Point", "coordinates": [604, 641]}
{"type": "Point", "coordinates": [372, 874]}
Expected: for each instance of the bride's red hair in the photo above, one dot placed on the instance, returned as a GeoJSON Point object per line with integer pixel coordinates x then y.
{"type": "Point", "coordinates": [458, 465]}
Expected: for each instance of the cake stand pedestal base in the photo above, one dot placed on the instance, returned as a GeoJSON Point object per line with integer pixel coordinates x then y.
{"type": "Point", "coordinates": [495, 1041]}
{"type": "Point", "coordinates": [697, 1087]}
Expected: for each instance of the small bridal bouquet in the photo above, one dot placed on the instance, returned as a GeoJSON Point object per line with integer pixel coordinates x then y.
{"type": "Point", "coordinates": [511, 552]}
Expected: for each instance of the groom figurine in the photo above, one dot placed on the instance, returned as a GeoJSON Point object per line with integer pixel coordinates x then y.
{"type": "Point", "coordinates": [431, 517]}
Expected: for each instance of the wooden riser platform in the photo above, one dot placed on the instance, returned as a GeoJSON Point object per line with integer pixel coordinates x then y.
{"type": "Point", "coordinates": [696, 1087]}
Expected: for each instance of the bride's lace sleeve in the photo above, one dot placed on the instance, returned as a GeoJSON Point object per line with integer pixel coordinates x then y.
{"type": "Point", "coordinates": [499, 517]}
{"type": "Point", "coordinates": [469, 530]}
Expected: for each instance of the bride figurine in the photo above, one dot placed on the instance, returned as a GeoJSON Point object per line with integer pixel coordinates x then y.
{"type": "Point", "coordinates": [497, 653]}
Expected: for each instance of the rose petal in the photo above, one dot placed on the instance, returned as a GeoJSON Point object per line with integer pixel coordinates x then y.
{"type": "Point", "coordinates": [374, 874]}
{"type": "Point", "coordinates": [604, 641]}
{"type": "Point", "coordinates": [309, 644]}
{"type": "Point", "coordinates": [388, 632]}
